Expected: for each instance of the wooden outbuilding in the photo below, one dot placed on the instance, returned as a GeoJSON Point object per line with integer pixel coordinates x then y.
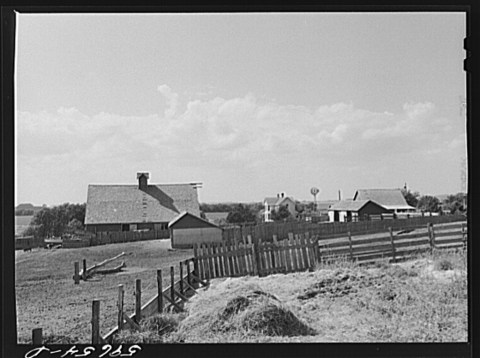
{"type": "Point", "coordinates": [187, 229]}
{"type": "Point", "coordinates": [354, 210]}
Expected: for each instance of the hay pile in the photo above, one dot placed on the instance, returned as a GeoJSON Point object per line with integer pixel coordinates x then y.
{"type": "Point", "coordinates": [235, 310]}
{"type": "Point", "coordinates": [153, 329]}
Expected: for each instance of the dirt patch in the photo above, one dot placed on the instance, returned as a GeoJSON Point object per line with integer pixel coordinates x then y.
{"type": "Point", "coordinates": [131, 270]}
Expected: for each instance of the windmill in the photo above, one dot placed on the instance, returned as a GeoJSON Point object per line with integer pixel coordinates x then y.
{"type": "Point", "coordinates": [314, 191]}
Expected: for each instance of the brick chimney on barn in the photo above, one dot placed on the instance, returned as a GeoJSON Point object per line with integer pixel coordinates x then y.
{"type": "Point", "coordinates": [143, 180]}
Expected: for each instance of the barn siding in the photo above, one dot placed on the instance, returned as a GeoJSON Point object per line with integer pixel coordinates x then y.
{"type": "Point", "coordinates": [371, 209]}
{"type": "Point", "coordinates": [186, 237]}
{"type": "Point", "coordinates": [104, 227]}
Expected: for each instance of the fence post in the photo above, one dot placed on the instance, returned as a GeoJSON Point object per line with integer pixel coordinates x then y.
{"type": "Point", "coordinates": [159, 291]}
{"type": "Point", "coordinates": [84, 273]}
{"type": "Point", "coordinates": [464, 236]}
{"type": "Point", "coordinates": [256, 255]}
{"type": "Point", "coordinates": [432, 236]}
{"type": "Point", "coordinates": [172, 284]}
{"type": "Point", "coordinates": [393, 244]}
{"type": "Point", "coordinates": [350, 245]}
{"type": "Point", "coordinates": [181, 277]}
{"type": "Point", "coordinates": [195, 260]}
{"type": "Point", "coordinates": [138, 300]}
{"type": "Point", "coordinates": [95, 322]}
{"type": "Point", "coordinates": [120, 307]}
{"type": "Point", "coordinates": [187, 262]}
{"type": "Point", "coordinates": [37, 336]}
{"type": "Point", "coordinates": [76, 276]}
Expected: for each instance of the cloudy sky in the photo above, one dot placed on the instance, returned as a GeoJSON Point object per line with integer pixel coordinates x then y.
{"type": "Point", "coordinates": [248, 104]}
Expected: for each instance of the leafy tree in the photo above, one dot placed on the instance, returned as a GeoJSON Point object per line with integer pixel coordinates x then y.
{"type": "Point", "coordinates": [57, 220]}
{"type": "Point", "coordinates": [411, 198]}
{"type": "Point", "coordinates": [282, 214]}
{"type": "Point", "coordinates": [241, 214]}
{"type": "Point", "coordinates": [428, 203]}
{"type": "Point", "coordinates": [455, 203]}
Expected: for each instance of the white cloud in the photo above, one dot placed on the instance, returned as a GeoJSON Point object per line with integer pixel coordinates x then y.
{"type": "Point", "coordinates": [171, 98]}
{"type": "Point", "coordinates": [227, 135]}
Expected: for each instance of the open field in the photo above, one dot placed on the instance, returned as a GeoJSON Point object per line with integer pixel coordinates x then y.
{"type": "Point", "coordinates": [420, 300]}
{"type": "Point", "coordinates": [22, 223]}
{"type": "Point", "coordinates": [47, 297]}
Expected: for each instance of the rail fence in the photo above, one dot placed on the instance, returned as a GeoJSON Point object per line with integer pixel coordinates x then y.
{"type": "Point", "coordinates": [266, 231]}
{"type": "Point", "coordinates": [401, 245]}
{"type": "Point", "coordinates": [168, 299]}
{"type": "Point", "coordinates": [252, 256]}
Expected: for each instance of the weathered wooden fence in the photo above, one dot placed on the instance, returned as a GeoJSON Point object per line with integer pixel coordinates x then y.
{"type": "Point", "coordinates": [171, 298]}
{"type": "Point", "coordinates": [401, 245]}
{"type": "Point", "coordinates": [213, 260]}
{"type": "Point", "coordinates": [104, 238]}
{"type": "Point", "coordinates": [28, 242]}
{"type": "Point", "coordinates": [266, 231]}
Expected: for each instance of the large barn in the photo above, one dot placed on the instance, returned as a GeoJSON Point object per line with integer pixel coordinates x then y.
{"type": "Point", "coordinates": [142, 206]}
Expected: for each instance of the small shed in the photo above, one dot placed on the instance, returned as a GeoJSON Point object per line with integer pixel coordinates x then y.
{"type": "Point", "coordinates": [187, 229]}
{"type": "Point", "coordinates": [354, 210]}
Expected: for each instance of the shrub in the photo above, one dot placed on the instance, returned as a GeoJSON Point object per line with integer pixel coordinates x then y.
{"type": "Point", "coordinates": [443, 265]}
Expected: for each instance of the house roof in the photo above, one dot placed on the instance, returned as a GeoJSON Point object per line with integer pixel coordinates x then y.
{"type": "Point", "coordinates": [216, 216]}
{"type": "Point", "coordinates": [184, 214]}
{"type": "Point", "coordinates": [109, 204]}
{"type": "Point", "coordinates": [349, 205]}
{"type": "Point", "coordinates": [388, 198]}
{"type": "Point", "coordinates": [276, 201]}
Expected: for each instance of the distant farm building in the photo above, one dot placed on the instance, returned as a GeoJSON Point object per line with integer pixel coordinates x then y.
{"type": "Point", "coordinates": [391, 199]}
{"type": "Point", "coordinates": [369, 203]}
{"type": "Point", "coordinates": [217, 218]}
{"type": "Point", "coordinates": [187, 229]}
{"type": "Point", "coordinates": [273, 204]}
{"type": "Point", "coordinates": [354, 210]}
{"type": "Point", "coordinates": [138, 207]}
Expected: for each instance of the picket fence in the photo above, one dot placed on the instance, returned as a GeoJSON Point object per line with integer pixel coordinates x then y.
{"type": "Point", "coordinates": [266, 231]}
{"type": "Point", "coordinates": [213, 260]}
{"type": "Point", "coordinates": [302, 252]}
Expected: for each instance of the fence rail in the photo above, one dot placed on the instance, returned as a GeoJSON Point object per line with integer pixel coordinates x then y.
{"type": "Point", "coordinates": [395, 246]}
{"type": "Point", "coordinates": [266, 231]}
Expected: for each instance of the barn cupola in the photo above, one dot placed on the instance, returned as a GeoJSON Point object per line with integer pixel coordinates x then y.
{"type": "Point", "coordinates": [143, 180]}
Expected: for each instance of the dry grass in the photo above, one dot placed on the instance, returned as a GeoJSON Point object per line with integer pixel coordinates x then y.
{"type": "Point", "coordinates": [412, 301]}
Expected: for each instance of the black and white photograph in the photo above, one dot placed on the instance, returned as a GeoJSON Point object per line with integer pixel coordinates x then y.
{"type": "Point", "coordinates": [240, 177]}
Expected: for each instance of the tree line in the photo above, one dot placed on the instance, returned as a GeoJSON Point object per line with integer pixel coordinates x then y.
{"type": "Point", "coordinates": [454, 203]}
{"type": "Point", "coordinates": [69, 218]}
